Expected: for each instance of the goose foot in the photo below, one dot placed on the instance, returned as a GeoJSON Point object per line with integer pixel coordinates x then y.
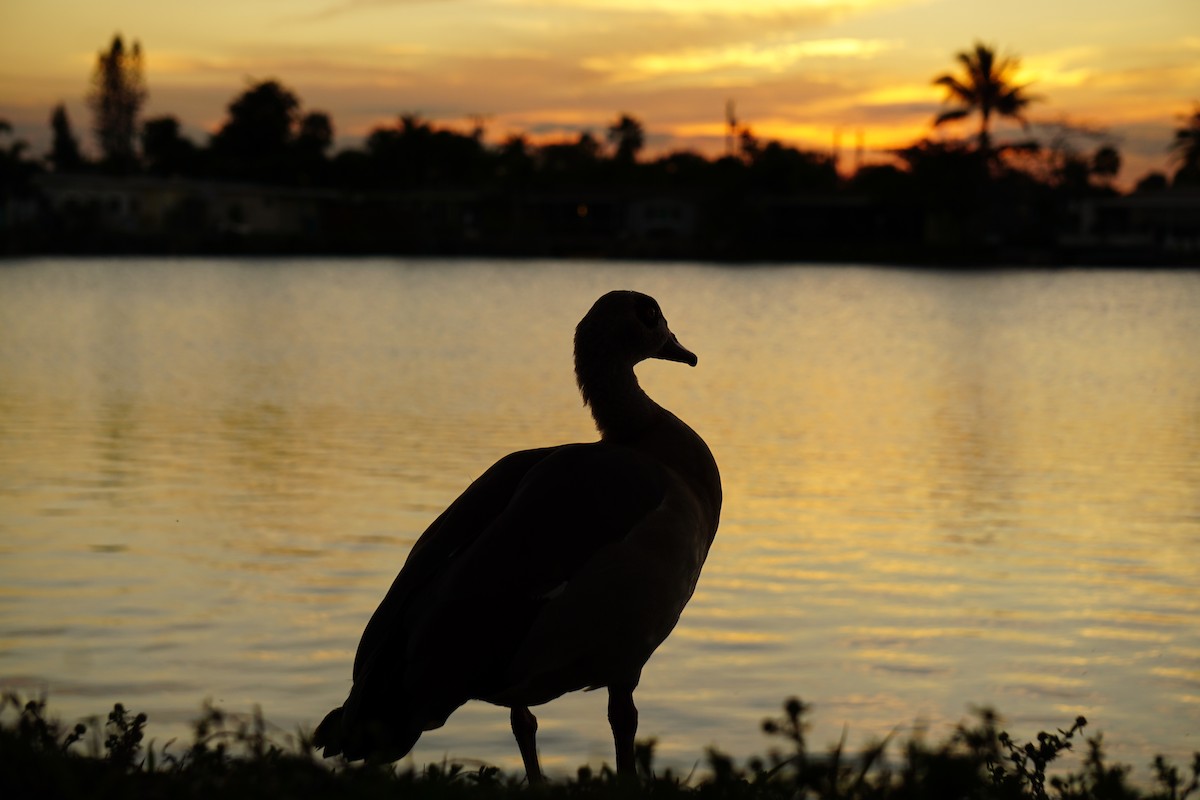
{"type": "Point", "coordinates": [524, 728]}
{"type": "Point", "coordinates": [623, 717]}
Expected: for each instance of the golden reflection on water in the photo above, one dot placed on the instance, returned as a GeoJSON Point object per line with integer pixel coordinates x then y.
{"type": "Point", "coordinates": [941, 490]}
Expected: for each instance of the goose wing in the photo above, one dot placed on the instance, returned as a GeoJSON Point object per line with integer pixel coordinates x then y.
{"type": "Point", "coordinates": [454, 531]}
{"type": "Point", "coordinates": [480, 576]}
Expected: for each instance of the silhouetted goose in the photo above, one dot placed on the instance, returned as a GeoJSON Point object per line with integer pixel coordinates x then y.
{"type": "Point", "coordinates": [559, 569]}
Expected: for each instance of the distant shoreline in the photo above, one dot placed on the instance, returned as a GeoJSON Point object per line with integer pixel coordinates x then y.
{"type": "Point", "coordinates": [951, 262]}
{"type": "Point", "coordinates": [70, 215]}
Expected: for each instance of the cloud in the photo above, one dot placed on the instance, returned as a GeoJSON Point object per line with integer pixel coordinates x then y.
{"type": "Point", "coordinates": [519, 55]}
{"type": "Point", "coordinates": [346, 8]}
{"type": "Point", "coordinates": [1071, 66]}
{"type": "Point", "coordinates": [744, 59]}
{"type": "Point", "coordinates": [827, 8]}
{"type": "Point", "coordinates": [1119, 81]}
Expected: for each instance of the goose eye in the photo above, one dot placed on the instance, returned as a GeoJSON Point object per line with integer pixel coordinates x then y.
{"type": "Point", "coordinates": [648, 314]}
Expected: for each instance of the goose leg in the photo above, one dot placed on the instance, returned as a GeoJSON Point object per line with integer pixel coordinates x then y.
{"type": "Point", "coordinates": [524, 728]}
{"type": "Point", "coordinates": [623, 717]}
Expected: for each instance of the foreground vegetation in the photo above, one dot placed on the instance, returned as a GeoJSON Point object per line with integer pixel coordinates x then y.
{"type": "Point", "coordinates": [235, 757]}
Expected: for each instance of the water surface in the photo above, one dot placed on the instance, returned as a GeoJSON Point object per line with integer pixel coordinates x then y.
{"type": "Point", "coordinates": [942, 490]}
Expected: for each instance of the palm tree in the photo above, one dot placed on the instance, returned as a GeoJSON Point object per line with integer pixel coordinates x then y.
{"type": "Point", "coordinates": [1185, 147]}
{"type": "Point", "coordinates": [628, 135]}
{"type": "Point", "coordinates": [985, 86]}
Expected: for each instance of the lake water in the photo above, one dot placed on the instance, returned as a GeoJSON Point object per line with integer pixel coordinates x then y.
{"type": "Point", "coordinates": [942, 490]}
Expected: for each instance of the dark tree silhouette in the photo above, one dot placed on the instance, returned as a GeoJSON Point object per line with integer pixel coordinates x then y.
{"type": "Point", "coordinates": [1106, 163]}
{"type": "Point", "coordinates": [117, 94]}
{"type": "Point", "coordinates": [515, 160]}
{"type": "Point", "coordinates": [570, 161]}
{"type": "Point", "coordinates": [254, 142]}
{"type": "Point", "coordinates": [1062, 158]}
{"type": "Point", "coordinates": [1074, 174]}
{"type": "Point", "coordinates": [683, 168]}
{"type": "Point", "coordinates": [396, 151]}
{"type": "Point", "coordinates": [587, 146]}
{"type": "Point", "coordinates": [731, 127]}
{"type": "Point", "coordinates": [748, 146]}
{"type": "Point", "coordinates": [780, 169]}
{"type": "Point", "coordinates": [16, 170]}
{"type": "Point", "coordinates": [1151, 183]}
{"type": "Point", "coordinates": [628, 137]}
{"type": "Point", "coordinates": [414, 154]}
{"type": "Point", "coordinates": [64, 147]}
{"type": "Point", "coordinates": [165, 150]}
{"type": "Point", "coordinates": [946, 179]}
{"type": "Point", "coordinates": [314, 137]}
{"type": "Point", "coordinates": [1185, 149]}
{"type": "Point", "coordinates": [883, 182]}
{"type": "Point", "coordinates": [985, 86]}
{"type": "Point", "coordinates": [315, 134]}
{"type": "Point", "coordinates": [14, 149]}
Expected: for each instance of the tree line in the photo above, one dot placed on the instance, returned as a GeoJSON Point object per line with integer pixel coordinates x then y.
{"type": "Point", "coordinates": [975, 188]}
{"type": "Point", "coordinates": [268, 137]}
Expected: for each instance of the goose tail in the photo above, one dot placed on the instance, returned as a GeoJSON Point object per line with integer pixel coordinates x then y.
{"type": "Point", "coordinates": [373, 739]}
{"type": "Point", "coordinates": [328, 735]}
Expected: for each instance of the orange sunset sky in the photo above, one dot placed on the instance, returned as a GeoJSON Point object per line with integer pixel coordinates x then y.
{"type": "Point", "coordinates": [807, 72]}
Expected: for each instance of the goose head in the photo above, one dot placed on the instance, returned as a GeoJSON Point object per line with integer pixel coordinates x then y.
{"type": "Point", "coordinates": [622, 329]}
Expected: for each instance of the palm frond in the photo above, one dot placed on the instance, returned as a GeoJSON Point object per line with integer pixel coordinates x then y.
{"type": "Point", "coordinates": [951, 115]}
{"type": "Point", "coordinates": [955, 89]}
{"type": "Point", "coordinates": [1185, 146]}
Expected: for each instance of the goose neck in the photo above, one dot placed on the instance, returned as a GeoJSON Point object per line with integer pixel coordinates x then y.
{"type": "Point", "coordinates": [621, 409]}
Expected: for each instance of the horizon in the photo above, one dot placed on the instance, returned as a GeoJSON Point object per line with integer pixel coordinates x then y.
{"type": "Point", "coordinates": [852, 77]}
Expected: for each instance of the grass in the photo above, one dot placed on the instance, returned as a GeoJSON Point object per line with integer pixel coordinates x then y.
{"type": "Point", "coordinates": [233, 756]}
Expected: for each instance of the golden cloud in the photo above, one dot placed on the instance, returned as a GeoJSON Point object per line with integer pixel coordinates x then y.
{"type": "Point", "coordinates": [742, 57]}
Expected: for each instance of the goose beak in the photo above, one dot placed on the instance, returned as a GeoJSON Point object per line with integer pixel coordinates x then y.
{"type": "Point", "coordinates": [674, 351]}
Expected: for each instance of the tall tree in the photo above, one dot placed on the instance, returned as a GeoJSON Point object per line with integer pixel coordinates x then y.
{"type": "Point", "coordinates": [64, 147]}
{"type": "Point", "coordinates": [628, 136]}
{"type": "Point", "coordinates": [117, 95]}
{"type": "Point", "coordinates": [984, 86]}
{"type": "Point", "coordinates": [1185, 148]}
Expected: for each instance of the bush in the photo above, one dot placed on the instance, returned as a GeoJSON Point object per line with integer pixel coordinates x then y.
{"type": "Point", "coordinates": [234, 756]}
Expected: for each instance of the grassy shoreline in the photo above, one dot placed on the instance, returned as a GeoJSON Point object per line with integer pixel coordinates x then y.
{"type": "Point", "coordinates": [236, 756]}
